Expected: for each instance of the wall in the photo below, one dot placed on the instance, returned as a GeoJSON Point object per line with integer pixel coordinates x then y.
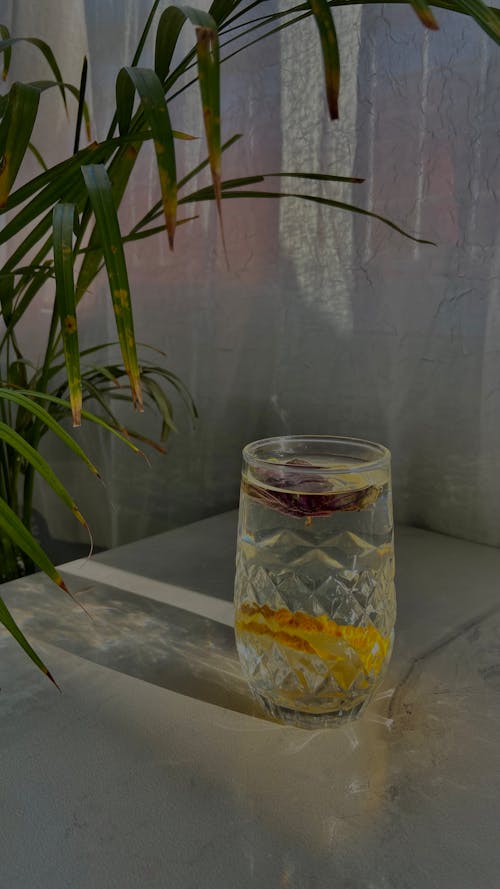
{"type": "Point", "coordinates": [323, 322]}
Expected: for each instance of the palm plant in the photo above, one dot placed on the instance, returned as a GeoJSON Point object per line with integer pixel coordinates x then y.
{"type": "Point", "coordinates": [63, 228]}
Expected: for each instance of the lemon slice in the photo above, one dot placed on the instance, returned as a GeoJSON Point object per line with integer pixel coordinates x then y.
{"type": "Point", "coordinates": [344, 647]}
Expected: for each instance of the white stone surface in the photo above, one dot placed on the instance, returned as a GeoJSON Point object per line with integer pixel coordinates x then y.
{"type": "Point", "coordinates": [122, 781]}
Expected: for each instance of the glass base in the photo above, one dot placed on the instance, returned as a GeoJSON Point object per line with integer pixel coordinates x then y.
{"type": "Point", "coordinates": [311, 721]}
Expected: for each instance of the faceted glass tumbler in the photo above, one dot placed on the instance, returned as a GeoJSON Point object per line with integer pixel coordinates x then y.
{"type": "Point", "coordinates": [315, 603]}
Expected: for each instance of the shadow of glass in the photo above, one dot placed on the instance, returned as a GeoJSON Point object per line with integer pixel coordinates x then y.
{"type": "Point", "coordinates": [141, 637]}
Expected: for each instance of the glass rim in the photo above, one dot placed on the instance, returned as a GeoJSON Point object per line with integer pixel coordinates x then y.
{"type": "Point", "coordinates": [383, 458]}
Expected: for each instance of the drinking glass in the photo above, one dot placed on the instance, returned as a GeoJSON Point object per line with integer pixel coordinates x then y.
{"type": "Point", "coordinates": [315, 601]}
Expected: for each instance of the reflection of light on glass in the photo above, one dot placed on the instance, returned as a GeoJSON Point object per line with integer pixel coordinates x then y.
{"type": "Point", "coordinates": [318, 241]}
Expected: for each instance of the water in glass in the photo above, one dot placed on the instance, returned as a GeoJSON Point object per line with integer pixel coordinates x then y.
{"type": "Point", "coordinates": [314, 595]}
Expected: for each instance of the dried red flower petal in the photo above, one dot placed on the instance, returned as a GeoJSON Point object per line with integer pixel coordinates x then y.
{"type": "Point", "coordinates": [310, 504]}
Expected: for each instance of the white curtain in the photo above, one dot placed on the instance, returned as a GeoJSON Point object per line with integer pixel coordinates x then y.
{"type": "Point", "coordinates": [324, 321]}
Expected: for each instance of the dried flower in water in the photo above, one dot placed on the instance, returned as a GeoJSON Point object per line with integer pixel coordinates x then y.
{"type": "Point", "coordinates": [309, 504]}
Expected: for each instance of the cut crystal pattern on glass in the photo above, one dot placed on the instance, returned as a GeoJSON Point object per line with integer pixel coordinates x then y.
{"type": "Point", "coordinates": [315, 602]}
